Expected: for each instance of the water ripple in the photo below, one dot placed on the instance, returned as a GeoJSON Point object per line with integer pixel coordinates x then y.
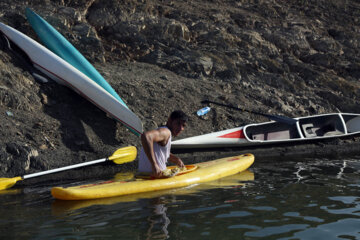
{"type": "Point", "coordinates": [269, 231]}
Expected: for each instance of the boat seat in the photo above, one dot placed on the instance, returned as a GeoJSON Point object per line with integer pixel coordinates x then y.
{"type": "Point", "coordinates": [309, 130]}
{"type": "Point", "coordinates": [333, 133]}
{"type": "Point", "coordinates": [329, 130]}
{"type": "Point", "coordinates": [258, 136]}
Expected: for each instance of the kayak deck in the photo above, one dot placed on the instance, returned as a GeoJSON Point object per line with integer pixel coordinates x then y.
{"type": "Point", "coordinates": [206, 171]}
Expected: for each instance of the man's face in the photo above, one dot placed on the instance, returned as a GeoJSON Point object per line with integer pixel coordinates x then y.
{"type": "Point", "coordinates": [177, 126]}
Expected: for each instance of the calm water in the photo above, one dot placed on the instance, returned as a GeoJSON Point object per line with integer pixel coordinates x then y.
{"type": "Point", "coordinates": [316, 199]}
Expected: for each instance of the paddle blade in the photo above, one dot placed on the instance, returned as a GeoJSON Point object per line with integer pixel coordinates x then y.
{"type": "Point", "coordinates": [6, 183]}
{"type": "Point", "coordinates": [124, 155]}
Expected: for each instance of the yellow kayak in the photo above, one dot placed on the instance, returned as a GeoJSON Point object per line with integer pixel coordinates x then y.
{"type": "Point", "coordinates": [60, 207]}
{"type": "Point", "coordinates": [203, 172]}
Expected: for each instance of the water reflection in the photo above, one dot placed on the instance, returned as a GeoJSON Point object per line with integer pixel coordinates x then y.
{"type": "Point", "coordinates": [157, 219]}
{"type": "Point", "coordinates": [314, 199]}
{"type": "Point", "coordinates": [311, 200]}
{"type": "Point", "coordinates": [150, 211]}
{"type": "Point", "coordinates": [285, 201]}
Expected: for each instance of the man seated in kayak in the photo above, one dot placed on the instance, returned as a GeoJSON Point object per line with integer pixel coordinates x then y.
{"type": "Point", "coordinates": [156, 144]}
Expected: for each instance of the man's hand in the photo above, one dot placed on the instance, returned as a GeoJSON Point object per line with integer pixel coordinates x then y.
{"type": "Point", "coordinates": [157, 173]}
{"type": "Point", "coordinates": [174, 159]}
{"type": "Point", "coordinates": [180, 163]}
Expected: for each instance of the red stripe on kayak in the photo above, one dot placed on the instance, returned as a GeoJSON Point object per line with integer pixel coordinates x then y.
{"type": "Point", "coordinates": [236, 134]}
{"type": "Point", "coordinates": [233, 159]}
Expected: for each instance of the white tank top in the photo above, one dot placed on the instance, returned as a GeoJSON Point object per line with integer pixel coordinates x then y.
{"type": "Point", "coordinates": [162, 153]}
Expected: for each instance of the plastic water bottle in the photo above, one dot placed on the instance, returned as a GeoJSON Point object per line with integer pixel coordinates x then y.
{"type": "Point", "coordinates": [203, 111]}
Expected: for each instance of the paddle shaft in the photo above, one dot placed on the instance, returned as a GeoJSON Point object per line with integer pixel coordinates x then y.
{"type": "Point", "coordinates": [273, 117]}
{"type": "Point", "coordinates": [236, 108]}
{"type": "Point", "coordinates": [64, 168]}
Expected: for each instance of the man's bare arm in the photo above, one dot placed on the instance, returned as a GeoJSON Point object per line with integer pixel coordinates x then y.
{"type": "Point", "coordinates": [147, 139]}
{"type": "Point", "coordinates": [176, 160]}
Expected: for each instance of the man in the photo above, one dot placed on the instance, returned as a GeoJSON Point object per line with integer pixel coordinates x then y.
{"type": "Point", "coordinates": [156, 144]}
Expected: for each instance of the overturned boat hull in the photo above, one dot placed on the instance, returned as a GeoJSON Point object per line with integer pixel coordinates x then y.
{"type": "Point", "coordinates": [63, 73]}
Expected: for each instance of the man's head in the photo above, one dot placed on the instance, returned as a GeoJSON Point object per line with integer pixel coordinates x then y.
{"type": "Point", "coordinates": [177, 122]}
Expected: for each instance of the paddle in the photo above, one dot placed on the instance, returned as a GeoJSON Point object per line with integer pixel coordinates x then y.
{"type": "Point", "coordinates": [122, 155]}
{"type": "Point", "coordinates": [276, 118]}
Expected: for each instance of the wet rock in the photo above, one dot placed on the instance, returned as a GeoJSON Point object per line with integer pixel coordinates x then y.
{"type": "Point", "coordinates": [13, 149]}
{"type": "Point", "coordinates": [21, 157]}
{"type": "Point", "coordinates": [71, 13]}
{"type": "Point", "coordinates": [39, 164]}
{"type": "Point", "coordinates": [207, 64]}
{"type": "Point", "coordinates": [176, 30]}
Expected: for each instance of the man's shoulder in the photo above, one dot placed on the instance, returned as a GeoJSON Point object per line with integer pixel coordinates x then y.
{"type": "Point", "coordinates": [161, 132]}
{"type": "Point", "coordinates": [164, 130]}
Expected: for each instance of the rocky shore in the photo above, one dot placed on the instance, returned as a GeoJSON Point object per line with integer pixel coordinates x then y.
{"type": "Point", "coordinates": [292, 58]}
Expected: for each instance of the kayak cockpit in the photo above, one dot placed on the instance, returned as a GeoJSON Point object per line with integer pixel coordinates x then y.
{"type": "Point", "coordinates": [271, 131]}
{"type": "Point", "coordinates": [320, 126]}
{"type": "Point", "coordinates": [306, 127]}
{"type": "Point", "coordinates": [352, 122]}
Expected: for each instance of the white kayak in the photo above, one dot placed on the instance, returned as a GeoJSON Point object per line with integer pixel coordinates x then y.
{"type": "Point", "coordinates": [315, 127]}
{"type": "Point", "coordinates": [64, 73]}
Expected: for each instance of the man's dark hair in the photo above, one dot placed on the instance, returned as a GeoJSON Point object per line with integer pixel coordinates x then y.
{"type": "Point", "coordinates": [178, 114]}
